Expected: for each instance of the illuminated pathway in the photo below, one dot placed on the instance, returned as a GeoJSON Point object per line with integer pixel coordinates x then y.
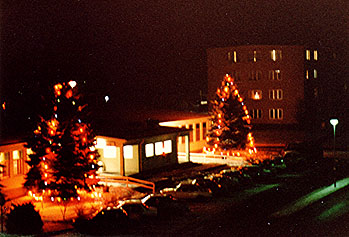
{"type": "Point", "coordinates": [311, 198]}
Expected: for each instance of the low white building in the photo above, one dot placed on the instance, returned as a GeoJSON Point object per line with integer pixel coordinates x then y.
{"type": "Point", "coordinates": [197, 123]}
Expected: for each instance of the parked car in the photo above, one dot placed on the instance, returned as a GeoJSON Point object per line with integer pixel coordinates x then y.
{"type": "Point", "coordinates": [188, 191]}
{"type": "Point", "coordinates": [166, 205]}
{"type": "Point", "coordinates": [210, 183]}
{"type": "Point", "coordinates": [300, 154]}
{"type": "Point", "coordinates": [136, 210]}
{"type": "Point", "coordinates": [105, 222]}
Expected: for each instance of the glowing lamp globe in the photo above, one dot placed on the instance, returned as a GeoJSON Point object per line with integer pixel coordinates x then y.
{"type": "Point", "coordinates": [72, 84]}
{"type": "Point", "coordinates": [334, 122]}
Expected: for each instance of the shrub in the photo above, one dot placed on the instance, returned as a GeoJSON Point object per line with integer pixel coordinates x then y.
{"type": "Point", "coordinates": [23, 219]}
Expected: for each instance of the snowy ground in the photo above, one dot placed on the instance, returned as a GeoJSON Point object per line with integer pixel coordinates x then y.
{"type": "Point", "coordinates": [57, 217]}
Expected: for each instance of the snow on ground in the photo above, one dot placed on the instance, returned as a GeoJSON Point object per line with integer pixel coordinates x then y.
{"type": "Point", "coordinates": [52, 212]}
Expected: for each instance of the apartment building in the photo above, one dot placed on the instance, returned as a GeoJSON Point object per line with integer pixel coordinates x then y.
{"type": "Point", "coordinates": [272, 80]}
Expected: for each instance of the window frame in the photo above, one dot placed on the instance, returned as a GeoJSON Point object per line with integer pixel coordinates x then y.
{"type": "Point", "coordinates": [276, 94]}
{"type": "Point", "coordinates": [256, 113]}
{"type": "Point", "coordinates": [276, 114]}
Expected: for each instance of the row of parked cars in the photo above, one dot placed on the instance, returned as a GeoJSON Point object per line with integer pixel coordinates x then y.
{"type": "Point", "coordinates": [120, 217]}
{"type": "Point", "coordinates": [170, 202]}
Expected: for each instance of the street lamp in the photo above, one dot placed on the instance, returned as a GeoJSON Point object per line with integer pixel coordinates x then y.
{"type": "Point", "coordinates": [334, 123]}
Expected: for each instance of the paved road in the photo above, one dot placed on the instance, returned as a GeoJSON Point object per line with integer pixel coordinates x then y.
{"type": "Point", "coordinates": [251, 212]}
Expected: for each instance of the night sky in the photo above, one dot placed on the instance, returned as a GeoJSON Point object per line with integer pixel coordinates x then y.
{"type": "Point", "coordinates": [145, 53]}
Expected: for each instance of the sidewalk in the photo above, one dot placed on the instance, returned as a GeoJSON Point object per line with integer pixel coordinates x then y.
{"type": "Point", "coordinates": [311, 198]}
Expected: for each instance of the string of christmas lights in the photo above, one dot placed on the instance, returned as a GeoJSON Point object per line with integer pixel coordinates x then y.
{"type": "Point", "coordinates": [230, 123]}
{"type": "Point", "coordinates": [63, 162]}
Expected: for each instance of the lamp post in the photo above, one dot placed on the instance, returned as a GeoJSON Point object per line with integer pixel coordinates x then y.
{"type": "Point", "coordinates": [334, 123]}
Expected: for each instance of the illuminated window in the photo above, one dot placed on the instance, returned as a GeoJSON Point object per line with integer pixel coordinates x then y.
{"type": "Point", "coordinates": [254, 56]}
{"type": "Point", "coordinates": [4, 160]}
{"type": "Point", "coordinates": [307, 54]}
{"type": "Point", "coordinates": [256, 94]}
{"type": "Point", "coordinates": [275, 55]}
{"type": "Point", "coordinates": [275, 94]}
{"type": "Point", "coordinates": [315, 55]}
{"type": "Point", "coordinates": [275, 74]}
{"type": "Point", "coordinates": [315, 73]}
{"type": "Point", "coordinates": [255, 75]}
{"type": "Point", "coordinates": [275, 114]}
{"type": "Point", "coordinates": [17, 162]}
{"type": "Point", "coordinates": [256, 113]}
{"type": "Point", "coordinates": [307, 74]}
{"type": "Point", "coordinates": [149, 150]}
{"type": "Point", "coordinates": [233, 56]}
{"type": "Point", "coordinates": [168, 146]}
{"type": "Point", "coordinates": [128, 152]}
{"type": "Point", "coordinates": [101, 143]}
{"type": "Point", "coordinates": [159, 149]}
{"type": "Point", "coordinates": [110, 152]}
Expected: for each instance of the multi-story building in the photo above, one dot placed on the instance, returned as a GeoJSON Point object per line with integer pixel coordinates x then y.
{"type": "Point", "coordinates": [272, 80]}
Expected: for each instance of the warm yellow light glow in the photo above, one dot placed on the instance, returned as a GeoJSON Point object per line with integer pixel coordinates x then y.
{"type": "Point", "coordinates": [109, 152]}
{"type": "Point", "coordinates": [236, 92]}
{"type": "Point", "coordinates": [149, 149]}
{"type": "Point", "coordinates": [101, 143]}
{"type": "Point", "coordinates": [81, 130]}
{"type": "Point", "coordinates": [128, 152]}
{"type": "Point", "coordinates": [167, 146]}
{"type": "Point", "coordinates": [207, 139]}
{"type": "Point", "coordinates": [257, 96]}
{"type": "Point", "coordinates": [46, 167]}
{"type": "Point", "coordinates": [219, 115]}
{"type": "Point", "coordinates": [307, 54]}
{"type": "Point", "coordinates": [158, 148]}
{"type": "Point", "coordinates": [273, 55]}
{"type": "Point", "coordinates": [315, 55]}
{"type": "Point", "coordinates": [226, 89]}
{"type": "Point", "coordinates": [15, 155]}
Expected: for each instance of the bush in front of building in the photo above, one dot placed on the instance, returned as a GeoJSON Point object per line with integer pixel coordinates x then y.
{"type": "Point", "coordinates": [24, 219]}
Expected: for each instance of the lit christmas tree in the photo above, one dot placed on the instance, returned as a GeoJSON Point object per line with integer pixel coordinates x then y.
{"type": "Point", "coordinates": [231, 123]}
{"type": "Point", "coordinates": [63, 158]}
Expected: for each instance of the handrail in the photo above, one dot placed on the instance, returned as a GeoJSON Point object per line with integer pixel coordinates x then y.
{"type": "Point", "coordinates": [203, 155]}
{"type": "Point", "coordinates": [213, 158]}
{"type": "Point", "coordinates": [127, 180]}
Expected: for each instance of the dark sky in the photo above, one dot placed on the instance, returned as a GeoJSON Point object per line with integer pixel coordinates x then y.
{"type": "Point", "coordinates": [146, 51]}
